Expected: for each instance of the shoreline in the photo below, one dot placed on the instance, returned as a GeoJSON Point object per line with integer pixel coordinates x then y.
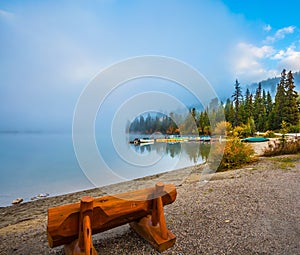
{"type": "Point", "coordinates": [121, 186]}
{"type": "Point", "coordinates": [268, 188]}
{"type": "Point", "coordinates": [117, 187]}
{"type": "Point", "coordinates": [177, 177]}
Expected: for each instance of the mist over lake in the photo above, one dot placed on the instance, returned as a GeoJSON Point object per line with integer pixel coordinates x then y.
{"type": "Point", "coordinates": [41, 163]}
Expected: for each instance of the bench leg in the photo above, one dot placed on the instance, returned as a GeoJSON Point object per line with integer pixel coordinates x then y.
{"type": "Point", "coordinates": [153, 234]}
{"type": "Point", "coordinates": [74, 249]}
{"type": "Point", "coordinates": [153, 228]}
{"type": "Point", "coordinates": [84, 244]}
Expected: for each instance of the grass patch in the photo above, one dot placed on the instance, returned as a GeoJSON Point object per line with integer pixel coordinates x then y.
{"type": "Point", "coordinates": [285, 163]}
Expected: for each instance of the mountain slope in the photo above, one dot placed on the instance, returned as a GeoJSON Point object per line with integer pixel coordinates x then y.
{"type": "Point", "coordinates": [271, 84]}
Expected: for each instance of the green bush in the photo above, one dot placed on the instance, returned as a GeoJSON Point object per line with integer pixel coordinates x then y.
{"type": "Point", "coordinates": [294, 129]}
{"type": "Point", "coordinates": [235, 154]}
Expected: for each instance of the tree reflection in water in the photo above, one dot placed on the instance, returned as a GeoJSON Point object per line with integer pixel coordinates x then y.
{"type": "Point", "coordinates": [193, 150]}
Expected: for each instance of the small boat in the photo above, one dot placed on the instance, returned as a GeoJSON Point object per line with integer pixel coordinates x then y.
{"type": "Point", "coordinates": [194, 139]}
{"type": "Point", "coordinates": [172, 143]}
{"type": "Point", "coordinates": [146, 140]}
{"type": "Point", "coordinates": [255, 139]}
{"type": "Point", "coordinates": [146, 144]}
{"type": "Point", "coordinates": [206, 138]}
{"type": "Point", "coordinates": [135, 141]}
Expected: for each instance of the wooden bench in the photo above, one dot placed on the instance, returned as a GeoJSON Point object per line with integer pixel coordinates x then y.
{"type": "Point", "coordinates": [73, 225]}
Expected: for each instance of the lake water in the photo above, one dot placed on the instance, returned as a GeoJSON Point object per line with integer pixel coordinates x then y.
{"type": "Point", "coordinates": [31, 164]}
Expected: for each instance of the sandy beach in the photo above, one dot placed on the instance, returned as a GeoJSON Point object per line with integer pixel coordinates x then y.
{"type": "Point", "coordinates": [252, 210]}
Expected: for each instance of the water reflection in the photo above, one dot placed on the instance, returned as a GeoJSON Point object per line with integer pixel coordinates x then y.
{"type": "Point", "coordinates": [194, 151]}
{"type": "Point", "coordinates": [173, 149]}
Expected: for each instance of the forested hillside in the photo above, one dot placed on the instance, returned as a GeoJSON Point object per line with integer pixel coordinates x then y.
{"type": "Point", "coordinates": [245, 112]}
{"type": "Point", "coordinates": [271, 84]}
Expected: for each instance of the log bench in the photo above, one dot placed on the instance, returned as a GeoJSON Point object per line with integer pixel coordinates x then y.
{"type": "Point", "coordinates": [72, 225]}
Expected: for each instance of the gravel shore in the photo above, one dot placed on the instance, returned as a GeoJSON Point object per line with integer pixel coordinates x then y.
{"type": "Point", "coordinates": [252, 210]}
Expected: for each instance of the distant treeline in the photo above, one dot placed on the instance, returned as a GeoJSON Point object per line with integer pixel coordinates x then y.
{"type": "Point", "coordinates": [150, 124]}
{"type": "Point", "coordinates": [257, 112]}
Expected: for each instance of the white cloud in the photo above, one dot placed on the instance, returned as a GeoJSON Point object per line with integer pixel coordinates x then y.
{"type": "Point", "coordinates": [280, 34]}
{"type": "Point", "coordinates": [251, 52]}
{"type": "Point", "coordinates": [279, 55]}
{"type": "Point", "coordinates": [288, 59]}
{"type": "Point", "coordinates": [259, 52]}
{"type": "Point", "coordinates": [252, 63]}
{"type": "Point", "coordinates": [267, 28]}
{"type": "Point", "coordinates": [249, 62]}
{"type": "Point", "coordinates": [282, 54]}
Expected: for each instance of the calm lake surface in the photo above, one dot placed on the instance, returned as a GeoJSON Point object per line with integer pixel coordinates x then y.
{"type": "Point", "coordinates": [33, 164]}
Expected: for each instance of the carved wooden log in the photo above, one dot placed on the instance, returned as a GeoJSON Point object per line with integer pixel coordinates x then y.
{"type": "Point", "coordinates": [153, 228]}
{"type": "Point", "coordinates": [142, 208]}
{"type": "Point", "coordinates": [83, 245]}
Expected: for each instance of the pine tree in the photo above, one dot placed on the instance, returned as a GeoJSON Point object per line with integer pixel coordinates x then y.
{"type": "Point", "coordinates": [220, 113]}
{"type": "Point", "coordinates": [229, 111]}
{"type": "Point", "coordinates": [248, 107]}
{"type": "Point", "coordinates": [264, 98]}
{"type": "Point", "coordinates": [291, 100]}
{"type": "Point", "coordinates": [279, 109]}
{"type": "Point", "coordinates": [157, 125]}
{"type": "Point", "coordinates": [134, 127]}
{"type": "Point", "coordinates": [259, 111]}
{"type": "Point", "coordinates": [148, 122]}
{"type": "Point", "coordinates": [269, 103]}
{"type": "Point", "coordinates": [264, 116]}
{"type": "Point", "coordinates": [237, 100]}
{"type": "Point", "coordinates": [203, 122]}
{"type": "Point", "coordinates": [269, 108]}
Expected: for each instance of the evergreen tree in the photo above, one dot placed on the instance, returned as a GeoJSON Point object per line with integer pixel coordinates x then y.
{"type": "Point", "coordinates": [220, 113]}
{"type": "Point", "coordinates": [292, 114]}
{"type": "Point", "coordinates": [279, 109]}
{"type": "Point", "coordinates": [193, 113]}
{"type": "Point", "coordinates": [237, 100]}
{"type": "Point", "coordinates": [142, 124]}
{"type": "Point", "coordinates": [258, 109]}
{"type": "Point", "coordinates": [135, 125]}
{"type": "Point", "coordinates": [264, 116]}
{"type": "Point", "coordinates": [248, 107]}
{"type": "Point", "coordinates": [264, 98]}
{"type": "Point", "coordinates": [203, 122]}
{"type": "Point", "coordinates": [148, 123]}
{"type": "Point", "coordinates": [229, 111]}
{"type": "Point", "coordinates": [269, 103]}
{"type": "Point", "coordinates": [269, 108]}
{"type": "Point", "coordinates": [157, 125]}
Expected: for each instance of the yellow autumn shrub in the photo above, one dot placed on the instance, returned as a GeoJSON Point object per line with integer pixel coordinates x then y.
{"type": "Point", "coordinates": [235, 154]}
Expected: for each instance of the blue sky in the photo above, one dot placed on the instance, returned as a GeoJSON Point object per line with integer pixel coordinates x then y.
{"type": "Point", "coordinates": [50, 50]}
